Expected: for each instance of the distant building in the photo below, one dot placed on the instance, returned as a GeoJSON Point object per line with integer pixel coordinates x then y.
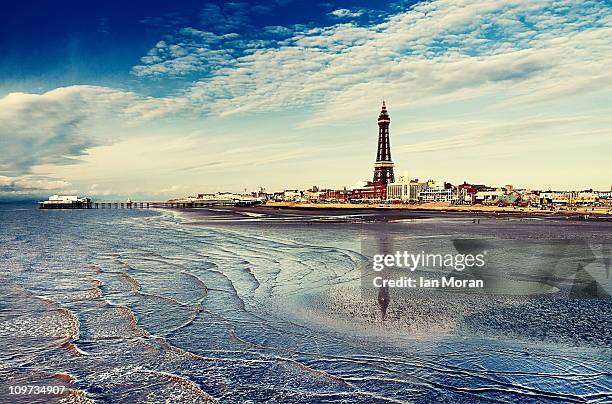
{"type": "Point", "coordinates": [399, 190]}
{"type": "Point", "coordinates": [229, 195]}
{"type": "Point", "coordinates": [332, 195]}
{"type": "Point", "coordinates": [416, 188]}
{"type": "Point", "coordinates": [555, 198]}
{"type": "Point", "coordinates": [467, 192]}
{"type": "Point", "coordinates": [604, 195]}
{"type": "Point", "coordinates": [529, 198]}
{"type": "Point", "coordinates": [437, 192]}
{"type": "Point", "coordinates": [260, 193]}
{"type": "Point", "coordinates": [508, 199]}
{"type": "Point", "coordinates": [487, 197]}
{"type": "Point", "coordinates": [584, 197]}
{"type": "Point", "coordinates": [292, 195]}
{"type": "Point", "coordinates": [407, 191]}
{"type": "Point", "coordinates": [313, 194]}
{"type": "Point", "coordinates": [368, 192]}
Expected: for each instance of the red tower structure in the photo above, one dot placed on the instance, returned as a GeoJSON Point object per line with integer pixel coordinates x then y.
{"type": "Point", "coordinates": [383, 168]}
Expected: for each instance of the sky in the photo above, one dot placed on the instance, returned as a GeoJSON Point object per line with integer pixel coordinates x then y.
{"type": "Point", "coordinates": [153, 100]}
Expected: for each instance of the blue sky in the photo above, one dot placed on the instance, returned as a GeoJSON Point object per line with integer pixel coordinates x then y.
{"type": "Point", "coordinates": [158, 99]}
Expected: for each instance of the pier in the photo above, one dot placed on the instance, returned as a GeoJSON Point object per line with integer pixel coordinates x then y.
{"type": "Point", "coordinates": [140, 205]}
{"type": "Point", "coordinates": [157, 204]}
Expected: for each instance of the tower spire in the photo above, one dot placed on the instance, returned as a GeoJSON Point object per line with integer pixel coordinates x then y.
{"type": "Point", "coordinates": [383, 168]}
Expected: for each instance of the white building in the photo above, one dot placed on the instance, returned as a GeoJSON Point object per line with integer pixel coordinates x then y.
{"type": "Point", "coordinates": [399, 190]}
{"type": "Point", "coordinates": [416, 188]}
{"type": "Point", "coordinates": [313, 195]}
{"type": "Point", "coordinates": [292, 195]}
{"type": "Point", "coordinates": [229, 195]}
{"type": "Point", "coordinates": [487, 197]}
{"type": "Point", "coordinates": [65, 199]}
{"type": "Point", "coordinates": [437, 192]}
{"type": "Point", "coordinates": [207, 197]}
{"type": "Point", "coordinates": [405, 190]}
{"type": "Point", "coordinates": [604, 195]}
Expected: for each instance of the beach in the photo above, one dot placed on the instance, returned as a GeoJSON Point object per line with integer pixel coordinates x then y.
{"type": "Point", "coordinates": [231, 305]}
{"type": "Point", "coordinates": [447, 207]}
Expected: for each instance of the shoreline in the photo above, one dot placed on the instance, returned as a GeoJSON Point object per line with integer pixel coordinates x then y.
{"type": "Point", "coordinates": [579, 213]}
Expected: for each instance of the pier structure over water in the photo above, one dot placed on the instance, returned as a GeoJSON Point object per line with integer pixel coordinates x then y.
{"type": "Point", "coordinates": [89, 204]}
{"type": "Point", "coordinates": [158, 204]}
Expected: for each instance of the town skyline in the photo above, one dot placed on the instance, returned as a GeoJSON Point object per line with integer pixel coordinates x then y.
{"type": "Point", "coordinates": [185, 98]}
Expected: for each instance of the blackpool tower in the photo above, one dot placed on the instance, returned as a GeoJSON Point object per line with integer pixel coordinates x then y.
{"type": "Point", "coordinates": [383, 168]}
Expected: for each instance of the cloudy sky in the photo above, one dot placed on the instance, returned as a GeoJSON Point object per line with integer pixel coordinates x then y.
{"type": "Point", "coordinates": [158, 100]}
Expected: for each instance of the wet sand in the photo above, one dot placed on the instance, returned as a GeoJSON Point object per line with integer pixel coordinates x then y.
{"type": "Point", "coordinates": [243, 305]}
{"type": "Point", "coordinates": [364, 213]}
{"type": "Point", "coordinates": [598, 212]}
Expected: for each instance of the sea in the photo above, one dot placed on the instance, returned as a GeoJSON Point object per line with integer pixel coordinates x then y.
{"type": "Point", "coordinates": [262, 305]}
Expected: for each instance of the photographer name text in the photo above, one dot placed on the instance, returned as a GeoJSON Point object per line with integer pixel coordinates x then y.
{"type": "Point", "coordinates": [421, 282]}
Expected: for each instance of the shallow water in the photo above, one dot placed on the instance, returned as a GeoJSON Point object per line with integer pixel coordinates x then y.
{"type": "Point", "coordinates": [147, 306]}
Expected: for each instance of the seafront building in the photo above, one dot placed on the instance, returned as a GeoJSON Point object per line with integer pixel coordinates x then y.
{"type": "Point", "coordinates": [400, 190]}
{"type": "Point", "coordinates": [488, 197]}
{"type": "Point", "coordinates": [438, 192]}
{"type": "Point", "coordinates": [407, 191]}
{"type": "Point", "coordinates": [604, 195]}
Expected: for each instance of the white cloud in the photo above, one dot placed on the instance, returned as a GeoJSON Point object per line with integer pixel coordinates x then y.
{"type": "Point", "coordinates": [478, 133]}
{"type": "Point", "coordinates": [30, 184]}
{"type": "Point", "coordinates": [195, 53]}
{"type": "Point", "coordinates": [436, 49]}
{"type": "Point", "coordinates": [54, 127]}
{"type": "Point", "coordinates": [346, 13]}
{"type": "Point", "coordinates": [60, 126]}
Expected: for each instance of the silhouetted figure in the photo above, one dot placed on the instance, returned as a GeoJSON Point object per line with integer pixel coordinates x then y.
{"type": "Point", "coordinates": [383, 300]}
